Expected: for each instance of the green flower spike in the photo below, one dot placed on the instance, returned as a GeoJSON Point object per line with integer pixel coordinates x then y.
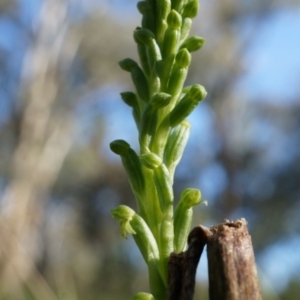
{"type": "Point", "coordinates": [160, 105]}
{"type": "Point", "coordinates": [183, 217]}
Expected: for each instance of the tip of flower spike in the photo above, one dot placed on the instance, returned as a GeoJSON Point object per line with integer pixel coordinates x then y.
{"type": "Point", "coordinates": [119, 147]}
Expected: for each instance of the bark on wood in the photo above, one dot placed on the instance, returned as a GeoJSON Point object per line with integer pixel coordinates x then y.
{"type": "Point", "coordinates": [231, 263]}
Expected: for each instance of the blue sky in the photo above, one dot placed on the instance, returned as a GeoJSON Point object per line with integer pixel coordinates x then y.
{"type": "Point", "coordinates": [274, 60]}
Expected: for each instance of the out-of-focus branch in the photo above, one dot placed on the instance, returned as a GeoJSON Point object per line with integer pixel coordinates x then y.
{"type": "Point", "coordinates": [45, 138]}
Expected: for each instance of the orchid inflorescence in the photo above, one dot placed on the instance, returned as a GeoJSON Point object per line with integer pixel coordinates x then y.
{"type": "Point", "coordinates": [160, 106]}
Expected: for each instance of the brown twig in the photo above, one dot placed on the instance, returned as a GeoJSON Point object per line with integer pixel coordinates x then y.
{"type": "Point", "coordinates": [183, 266]}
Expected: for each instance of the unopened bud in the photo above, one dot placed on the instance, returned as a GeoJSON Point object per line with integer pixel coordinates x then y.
{"type": "Point", "coordinates": [193, 43]}
{"type": "Point", "coordinates": [183, 58]}
{"type": "Point", "coordinates": [174, 20]}
{"type": "Point", "coordinates": [127, 64]}
{"type": "Point", "coordinates": [190, 10]}
{"type": "Point", "coordinates": [119, 147]}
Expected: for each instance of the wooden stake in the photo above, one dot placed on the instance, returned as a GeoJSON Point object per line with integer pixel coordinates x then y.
{"type": "Point", "coordinates": [231, 263]}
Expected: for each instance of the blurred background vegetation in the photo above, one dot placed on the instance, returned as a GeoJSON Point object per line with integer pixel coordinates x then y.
{"type": "Point", "coordinates": [60, 108]}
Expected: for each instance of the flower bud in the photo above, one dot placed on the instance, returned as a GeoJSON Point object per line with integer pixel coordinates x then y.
{"type": "Point", "coordinates": [163, 184]}
{"type": "Point", "coordinates": [187, 104]}
{"type": "Point", "coordinates": [175, 145]}
{"type": "Point", "coordinates": [179, 73]}
{"type": "Point", "coordinates": [143, 36]}
{"type": "Point", "coordinates": [143, 7]}
{"type": "Point", "coordinates": [197, 92]}
{"type": "Point", "coordinates": [193, 43]}
{"type": "Point", "coordinates": [183, 58]}
{"type": "Point", "coordinates": [161, 14]}
{"type": "Point", "coordinates": [140, 82]}
{"type": "Point", "coordinates": [160, 100]}
{"type": "Point", "coordinates": [133, 168]}
{"type": "Point", "coordinates": [148, 126]}
{"type": "Point", "coordinates": [127, 64]}
{"type": "Point", "coordinates": [174, 20]}
{"type": "Point", "coordinates": [172, 35]}
{"type": "Point", "coordinates": [183, 217]}
{"type": "Point", "coordinates": [129, 98]}
{"type": "Point", "coordinates": [190, 10]}
{"type": "Point", "coordinates": [119, 147]}
{"type": "Point", "coordinates": [148, 20]}
{"type": "Point", "coordinates": [190, 197]}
